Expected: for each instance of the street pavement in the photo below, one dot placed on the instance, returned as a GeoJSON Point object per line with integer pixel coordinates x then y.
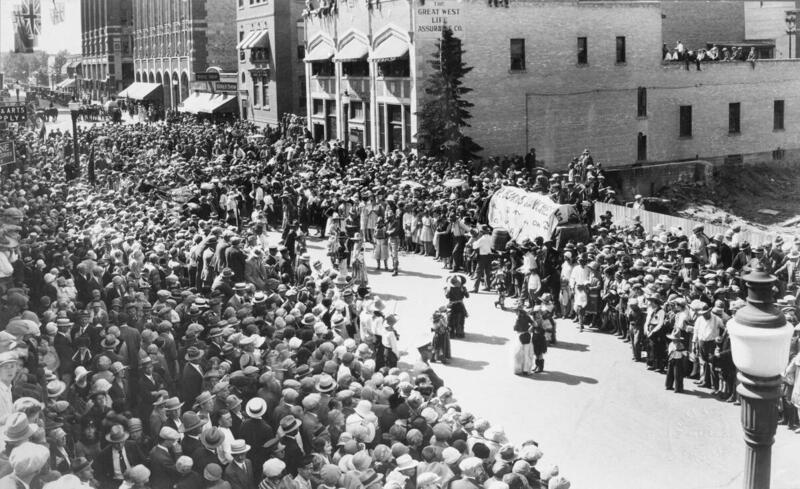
{"type": "Point", "coordinates": [605, 420]}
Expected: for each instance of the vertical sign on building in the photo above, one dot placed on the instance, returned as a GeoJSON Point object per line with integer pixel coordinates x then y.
{"type": "Point", "coordinates": [435, 15]}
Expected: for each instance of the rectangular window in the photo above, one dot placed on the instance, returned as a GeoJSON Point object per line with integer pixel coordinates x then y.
{"type": "Point", "coordinates": [620, 49]}
{"type": "Point", "coordinates": [517, 54]}
{"type": "Point", "coordinates": [357, 111]}
{"type": "Point", "coordinates": [777, 115]}
{"type": "Point", "coordinates": [734, 111]}
{"type": "Point", "coordinates": [641, 102]}
{"type": "Point", "coordinates": [265, 91]}
{"type": "Point", "coordinates": [686, 121]}
{"type": "Point", "coordinates": [318, 107]}
{"type": "Point", "coordinates": [583, 51]}
{"type": "Point", "coordinates": [256, 92]}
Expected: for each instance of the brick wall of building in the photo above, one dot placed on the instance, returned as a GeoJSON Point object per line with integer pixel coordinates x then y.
{"type": "Point", "coordinates": [767, 20]}
{"type": "Point", "coordinates": [560, 108]}
{"type": "Point", "coordinates": [565, 105]}
{"type": "Point", "coordinates": [221, 34]}
{"type": "Point", "coordinates": [286, 68]}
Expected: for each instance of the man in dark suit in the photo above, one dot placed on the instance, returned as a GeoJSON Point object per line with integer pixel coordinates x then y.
{"type": "Point", "coordinates": [115, 290]}
{"type": "Point", "coordinates": [192, 377]}
{"type": "Point", "coordinates": [256, 432]}
{"type": "Point", "coordinates": [112, 461]}
{"type": "Point", "coordinates": [234, 406]}
{"type": "Point", "coordinates": [235, 258]}
{"type": "Point", "coordinates": [192, 426]}
{"type": "Point", "coordinates": [289, 432]}
{"type": "Point", "coordinates": [63, 346]}
{"type": "Point", "coordinates": [84, 284]}
{"type": "Point", "coordinates": [206, 454]}
{"type": "Point", "coordinates": [239, 472]}
{"type": "Point", "coordinates": [149, 383]}
{"type": "Point", "coordinates": [163, 473]}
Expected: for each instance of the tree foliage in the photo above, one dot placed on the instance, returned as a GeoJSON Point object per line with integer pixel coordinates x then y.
{"type": "Point", "coordinates": [445, 112]}
{"type": "Point", "coordinates": [59, 61]}
{"type": "Point", "coordinates": [19, 66]}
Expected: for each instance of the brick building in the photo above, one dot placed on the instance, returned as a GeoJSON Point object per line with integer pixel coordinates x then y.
{"type": "Point", "coordinates": [270, 54]}
{"type": "Point", "coordinates": [174, 39]}
{"type": "Point", "coordinates": [555, 75]}
{"type": "Point", "coordinates": [106, 47]}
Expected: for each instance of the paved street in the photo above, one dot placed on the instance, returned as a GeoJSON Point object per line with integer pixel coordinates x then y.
{"type": "Point", "coordinates": [604, 420]}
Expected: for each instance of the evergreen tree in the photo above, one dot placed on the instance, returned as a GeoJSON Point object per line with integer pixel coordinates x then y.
{"type": "Point", "coordinates": [445, 112]}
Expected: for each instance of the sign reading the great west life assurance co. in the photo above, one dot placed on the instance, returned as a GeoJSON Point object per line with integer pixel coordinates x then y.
{"type": "Point", "coordinates": [434, 15]}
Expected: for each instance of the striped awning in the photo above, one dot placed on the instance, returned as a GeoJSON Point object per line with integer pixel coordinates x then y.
{"type": "Point", "coordinates": [390, 49]}
{"type": "Point", "coordinates": [66, 83]}
{"type": "Point", "coordinates": [142, 91]}
{"type": "Point", "coordinates": [208, 103]}
{"type": "Point", "coordinates": [352, 51]}
{"type": "Point", "coordinates": [260, 40]}
{"type": "Point", "coordinates": [248, 38]}
{"type": "Point", "coordinates": [320, 52]}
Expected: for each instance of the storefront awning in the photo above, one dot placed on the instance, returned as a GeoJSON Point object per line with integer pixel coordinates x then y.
{"type": "Point", "coordinates": [69, 82]}
{"type": "Point", "coordinates": [142, 91]}
{"type": "Point", "coordinates": [390, 49]}
{"type": "Point", "coordinates": [320, 52]}
{"type": "Point", "coordinates": [74, 64]}
{"type": "Point", "coordinates": [208, 103]}
{"type": "Point", "coordinates": [260, 40]}
{"type": "Point", "coordinates": [352, 51]}
{"type": "Point", "coordinates": [249, 37]}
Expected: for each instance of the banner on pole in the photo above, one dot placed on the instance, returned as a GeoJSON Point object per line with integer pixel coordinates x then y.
{"type": "Point", "coordinates": [527, 215]}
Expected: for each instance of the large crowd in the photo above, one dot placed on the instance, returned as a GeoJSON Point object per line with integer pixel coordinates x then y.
{"type": "Point", "coordinates": [165, 326]}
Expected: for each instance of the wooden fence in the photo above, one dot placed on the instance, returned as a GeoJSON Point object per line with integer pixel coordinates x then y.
{"type": "Point", "coordinates": [623, 215]}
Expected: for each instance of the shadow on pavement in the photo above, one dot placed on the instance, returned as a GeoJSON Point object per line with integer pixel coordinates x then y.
{"type": "Point", "coordinates": [562, 377]}
{"type": "Point", "coordinates": [697, 393]}
{"type": "Point", "coordinates": [391, 297]}
{"type": "Point", "coordinates": [482, 338]}
{"type": "Point", "coordinates": [417, 274]}
{"type": "Point", "coordinates": [466, 364]}
{"type": "Point", "coordinates": [566, 345]}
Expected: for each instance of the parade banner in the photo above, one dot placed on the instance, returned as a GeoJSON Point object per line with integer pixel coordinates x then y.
{"type": "Point", "coordinates": [527, 215]}
{"type": "Point", "coordinates": [7, 153]}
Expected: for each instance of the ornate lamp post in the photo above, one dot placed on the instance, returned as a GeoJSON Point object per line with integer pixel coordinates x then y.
{"type": "Point", "coordinates": [760, 340]}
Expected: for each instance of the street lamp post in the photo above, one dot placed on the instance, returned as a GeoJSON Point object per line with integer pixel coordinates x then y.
{"type": "Point", "coordinates": [760, 339]}
{"type": "Point", "coordinates": [74, 108]}
{"type": "Point", "coordinates": [791, 27]}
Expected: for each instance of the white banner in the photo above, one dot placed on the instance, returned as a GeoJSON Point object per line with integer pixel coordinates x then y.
{"type": "Point", "coordinates": [526, 215]}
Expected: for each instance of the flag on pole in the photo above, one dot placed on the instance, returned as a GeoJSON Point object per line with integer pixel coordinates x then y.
{"type": "Point", "coordinates": [57, 12]}
{"type": "Point", "coordinates": [27, 25]}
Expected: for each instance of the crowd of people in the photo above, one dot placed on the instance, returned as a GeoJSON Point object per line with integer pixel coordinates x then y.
{"type": "Point", "coordinates": [707, 55]}
{"type": "Point", "coordinates": [163, 325]}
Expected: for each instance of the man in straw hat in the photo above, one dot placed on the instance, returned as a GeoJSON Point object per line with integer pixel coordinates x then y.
{"type": "Point", "coordinates": [240, 471]}
{"type": "Point", "coordinates": [707, 328]}
{"type": "Point", "coordinates": [120, 454]}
